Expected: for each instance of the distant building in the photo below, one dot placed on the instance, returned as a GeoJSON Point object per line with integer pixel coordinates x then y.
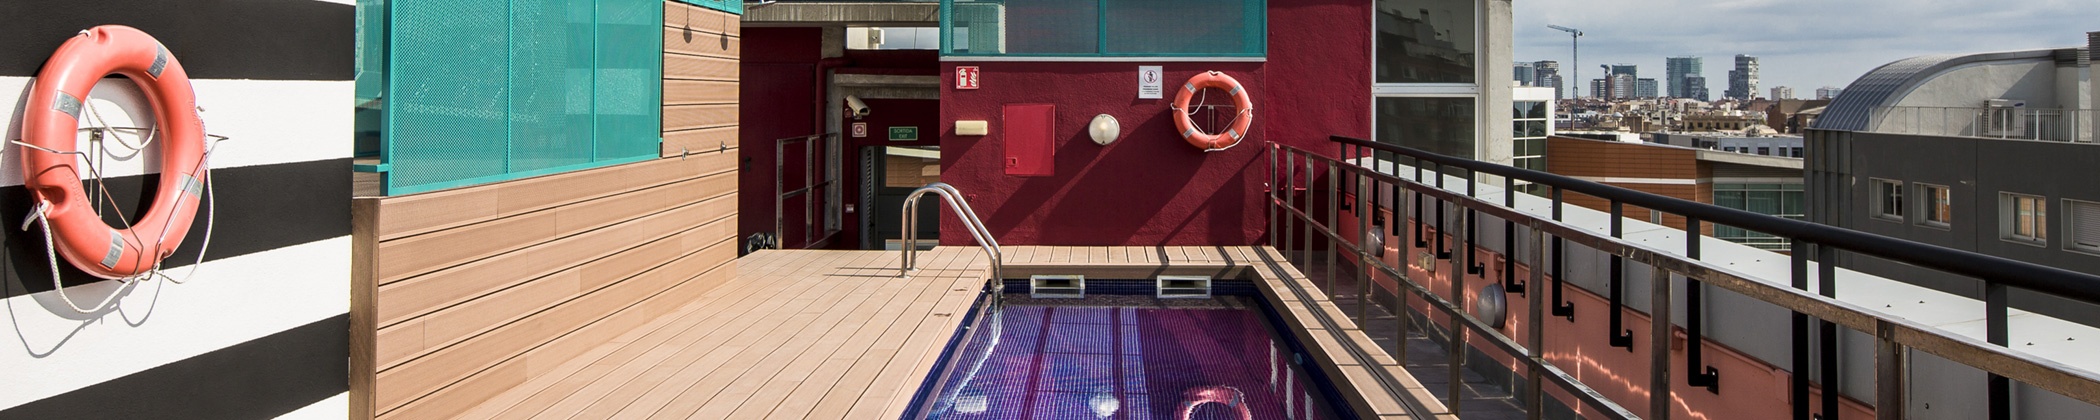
{"type": "Point", "coordinates": [1532, 122]}
{"type": "Point", "coordinates": [1930, 149]}
{"type": "Point", "coordinates": [1525, 74]}
{"type": "Point", "coordinates": [1695, 88]}
{"type": "Point", "coordinates": [1767, 184]}
{"type": "Point", "coordinates": [1742, 82]}
{"type": "Point", "coordinates": [1645, 88]}
{"type": "Point", "coordinates": [1546, 73]}
{"type": "Point", "coordinates": [1780, 93]}
{"type": "Point", "coordinates": [1827, 92]}
{"type": "Point", "coordinates": [1625, 69]}
{"type": "Point", "coordinates": [1680, 72]}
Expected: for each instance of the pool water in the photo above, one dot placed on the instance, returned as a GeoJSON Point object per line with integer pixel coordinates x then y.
{"type": "Point", "coordinates": [1153, 362]}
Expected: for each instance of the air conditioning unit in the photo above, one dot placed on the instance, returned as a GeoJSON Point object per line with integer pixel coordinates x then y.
{"type": "Point", "coordinates": [2004, 118]}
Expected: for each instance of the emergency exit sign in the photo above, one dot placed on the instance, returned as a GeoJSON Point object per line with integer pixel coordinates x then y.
{"type": "Point", "coordinates": [904, 133]}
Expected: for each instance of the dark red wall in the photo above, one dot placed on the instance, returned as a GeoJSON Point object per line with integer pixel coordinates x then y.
{"type": "Point", "coordinates": [777, 97]}
{"type": "Point", "coordinates": [1150, 187]}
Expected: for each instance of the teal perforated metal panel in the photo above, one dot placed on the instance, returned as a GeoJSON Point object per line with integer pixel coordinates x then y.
{"type": "Point", "coordinates": [731, 6]}
{"type": "Point", "coordinates": [480, 91]}
{"type": "Point", "coordinates": [1105, 28]}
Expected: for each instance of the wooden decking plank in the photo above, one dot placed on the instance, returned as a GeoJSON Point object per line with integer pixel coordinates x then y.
{"type": "Point", "coordinates": [532, 403]}
{"type": "Point", "coordinates": [847, 391]}
{"type": "Point", "coordinates": [830, 368]}
{"type": "Point", "coordinates": [760, 390]}
{"type": "Point", "coordinates": [802, 335]}
{"type": "Point", "coordinates": [740, 335]}
{"type": "Point", "coordinates": [650, 375]}
{"type": "Point", "coordinates": [886, 396]}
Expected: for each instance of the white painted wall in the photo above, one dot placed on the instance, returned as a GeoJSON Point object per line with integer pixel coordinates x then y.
{"type": "Point", "coordinates": [50, 349]}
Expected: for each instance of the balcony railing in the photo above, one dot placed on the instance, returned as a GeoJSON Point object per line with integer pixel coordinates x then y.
{"type": "Point", "coordinates": [2042, 124]}
{"type": "Point", "coordinates": [1314, 196]}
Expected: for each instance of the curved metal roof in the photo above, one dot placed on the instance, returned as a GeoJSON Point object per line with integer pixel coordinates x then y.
{"type": "Point", "coordinates": [1853, 110]}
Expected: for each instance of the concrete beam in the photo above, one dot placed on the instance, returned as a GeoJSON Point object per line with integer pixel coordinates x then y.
{"type": "Point", "coordinates": [845, 14]}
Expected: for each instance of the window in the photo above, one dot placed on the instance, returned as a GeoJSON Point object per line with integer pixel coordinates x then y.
{"type": "Point", "coordinates": [1934, 205]}
{"type": "Point", "coordinates": [1889, 199]}
{"type": "Point", "coordinates": [1438, 125]}
{"type": "Point", "coordinates": [1528, 130]}
{"type": "Point", "coordinates": [2024, 218]}
{"type": "Point", "coordinates": [1783, 200]}
{"type": "Point", "coordinates": [1426, 41]}
{"type": "Point", "coordinates": [1797, 152]}
{"type": "Point", "coordinates": [1729, 148]}
{"type": "Point", "coordinates": [1764, 151]}
{"type": "Point", "coordinates": [2083, 227]}
{"type": "Point", "coordinates": [1104, 28]}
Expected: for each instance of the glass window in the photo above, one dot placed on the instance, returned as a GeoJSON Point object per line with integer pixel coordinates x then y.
{"type": "Point", "coordinates": [1438, 125]}
{"type": "Point", "coordinates": [1889, 203]}
{"type": "Point", "coordinates": [1426, 41]}
{"type": "Point", "coordinates": [2026, 218]}
{"type": "Point", "coordinates": [1936, 205]}
{"type": "Point", "coordinates": [2084, 226]}
{"type": "Point", "coordinates": [1764, 151]}
{"type": "Point", "coordinates": [1097, 28]}
{"type": "Point", "coordinates": [1783, 200]}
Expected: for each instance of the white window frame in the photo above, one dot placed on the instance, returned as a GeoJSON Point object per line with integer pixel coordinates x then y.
{"type": "Point", "coordinates": [1924, 201]}
{"type": "Point", "coordinates": [1879, 206]}
{"type": "Point", "coordinates": [2008, 219]}
{"type": "Point", "coordinates": [2072, 223]}
{"type": "Point", "coordinates": [1474, 91]}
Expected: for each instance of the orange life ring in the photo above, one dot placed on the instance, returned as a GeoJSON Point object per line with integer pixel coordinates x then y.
{"type": "Point", "coordinates": [1240, 121]}
{"type": "Point", "coordinates": [52, 121]}
{"type": "Point", "coordinates": [1229, 396]}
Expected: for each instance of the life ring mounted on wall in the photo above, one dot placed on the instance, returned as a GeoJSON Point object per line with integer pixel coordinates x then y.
{"type": "Point", "coordinates": [1241, 120]}
{"type": "Point", "coordinates": [51, 169]}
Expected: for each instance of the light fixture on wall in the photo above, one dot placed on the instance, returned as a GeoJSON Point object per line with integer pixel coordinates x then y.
{"type": "Point", "coordinates": [1104, 129]}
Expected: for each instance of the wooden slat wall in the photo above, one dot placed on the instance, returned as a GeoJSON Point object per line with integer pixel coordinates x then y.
{"type": "Point", "coordinates": [459, 295]}
{"type": "Point", "coordinates": [701, 47]}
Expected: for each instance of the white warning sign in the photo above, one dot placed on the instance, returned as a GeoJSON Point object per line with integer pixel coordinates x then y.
{"type": "Point", "coordinates": [1150, 82]}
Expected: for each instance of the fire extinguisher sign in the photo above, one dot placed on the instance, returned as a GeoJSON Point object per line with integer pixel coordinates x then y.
{"type": "Point", "coordinates": [966, 77]}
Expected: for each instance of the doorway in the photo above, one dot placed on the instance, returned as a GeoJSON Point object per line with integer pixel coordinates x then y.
{"type": "Point", "coordinates": [891, 173]}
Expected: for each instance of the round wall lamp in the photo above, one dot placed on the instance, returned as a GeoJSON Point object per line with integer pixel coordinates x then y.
{"type": "Point", "coordinates": [1104, 129]}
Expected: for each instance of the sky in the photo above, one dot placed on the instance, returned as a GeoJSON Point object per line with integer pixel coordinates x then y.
{"type": "Point", "coordinates": [1803, 44]}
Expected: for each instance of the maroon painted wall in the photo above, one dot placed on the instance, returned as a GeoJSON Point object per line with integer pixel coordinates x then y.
{"type": "Point", "coordinates": [777, 93]}
{"type": "Point", "coordinates": [1150, 187]}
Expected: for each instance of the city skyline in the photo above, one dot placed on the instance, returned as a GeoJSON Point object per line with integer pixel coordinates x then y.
{"type": "Point", "coordinates": [1803, 44]}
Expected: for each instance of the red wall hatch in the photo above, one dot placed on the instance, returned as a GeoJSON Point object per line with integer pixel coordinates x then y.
{"type": "Point", "coordinates": [1028, 135]}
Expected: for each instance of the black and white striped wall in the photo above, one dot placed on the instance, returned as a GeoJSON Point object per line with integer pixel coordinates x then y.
{"type": "Point", "coordinates": [259, 330]}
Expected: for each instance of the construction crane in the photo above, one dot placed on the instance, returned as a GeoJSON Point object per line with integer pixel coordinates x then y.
{"type": "Point", "coordinates": [1574, 68]}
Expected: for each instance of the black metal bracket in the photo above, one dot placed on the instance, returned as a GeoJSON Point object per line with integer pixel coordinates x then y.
{"type": "Point", "coordinates": [1561, 307]}
{"type": "Point", "coordinates": [1710, 379]}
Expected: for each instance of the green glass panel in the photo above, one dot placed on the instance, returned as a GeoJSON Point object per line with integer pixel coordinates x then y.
{"type": "Point", "coordinates": [447, 102]}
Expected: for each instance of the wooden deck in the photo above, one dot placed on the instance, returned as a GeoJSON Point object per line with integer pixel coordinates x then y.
{"type": "Point", "coordinates": [798, 334]}
{"type": "Point", "coordinates": [836, 334]}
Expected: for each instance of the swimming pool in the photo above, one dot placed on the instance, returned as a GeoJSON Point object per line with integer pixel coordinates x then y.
{"type": "Point", "coordinates": [1125, 357]}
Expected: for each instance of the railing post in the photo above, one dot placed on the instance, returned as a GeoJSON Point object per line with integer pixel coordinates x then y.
{"type": "Point", "coordinates": [1334, 213]}
{"type": "Point", "coordinates": [1659, 345]}
{"type": "Point", "coordinates": [1363, 255]}
{"type": "Point", "coordinates": [1455, 349]}
{"type": "Point", "coordinates": [1697, 372]}
{"type": "Point", "coordinates": [1401, 293]}
{"type": "Point", "coordinates": [1289, 189]}
{"type": "Point", "coordinates": [1888, 373]}
{"type": "Point", "coordinates": [1620, 335]}
{"type": "Point", "coordinates": [1307, 260]}
{"type": "Point", "coordinates": [1561, 307]}
{"type": "Point", "coordinates": [1270, 202]}
{"type": "Point", "coordinates": [1799, 386]}
{"type": "Point", "coordinates": [1535, 327]}
{"type": "Point", "coordinates": [1826, 271]}
{"type": "Point", "coordinates": [1997, 332]}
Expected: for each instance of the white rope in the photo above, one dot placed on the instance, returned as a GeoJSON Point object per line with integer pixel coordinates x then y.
{"type": "Point", "coordinates": [51, 255]}
{"type": "Point", "coordinates": [210, 216]}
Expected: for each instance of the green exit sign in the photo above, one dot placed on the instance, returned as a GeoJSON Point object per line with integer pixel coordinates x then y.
{"type": "Point", "coordinates": [904, 133]}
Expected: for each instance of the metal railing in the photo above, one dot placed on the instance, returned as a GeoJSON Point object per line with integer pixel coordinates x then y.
{"type": "Point", "coordinates": [963, 211]}
{"type": "Point", "coordinates": [1295, 172]}
{"type": "Point", "coordinates": [819, 191]}
{"type": "Point", "coordinates": [2041, 124]}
